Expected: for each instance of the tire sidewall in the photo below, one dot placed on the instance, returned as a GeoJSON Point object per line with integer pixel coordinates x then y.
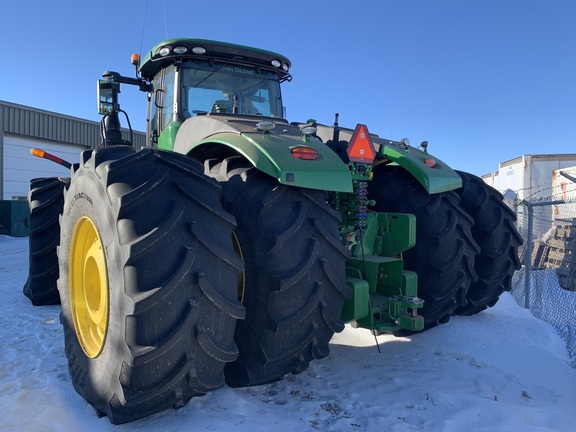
{"type": "Point", "coordinates": [86, 197]}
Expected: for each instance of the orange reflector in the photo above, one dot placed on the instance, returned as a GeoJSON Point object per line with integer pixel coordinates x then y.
{"type": "Point", "coordinates": [304, 153]}
{"type": "Point", "coordinates": [360, 148]}
{"type": "Point", "coordinates": [430, 162]}
{"type": "Point", "coordinates": [37, 152]}
{"type": "Point", "coordinates": [45, 155]}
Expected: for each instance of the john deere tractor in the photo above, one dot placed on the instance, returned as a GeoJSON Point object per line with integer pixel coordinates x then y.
{"type": "Point", "coordinates": [233, 246]}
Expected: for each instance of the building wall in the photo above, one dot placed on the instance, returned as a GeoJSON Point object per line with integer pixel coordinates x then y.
{"type": "Point", "coordinates": [23, 128]}
{"type": "Point", "coordinates": [20, 166]}
{"type": "Point", "coordinates": [529, 176]}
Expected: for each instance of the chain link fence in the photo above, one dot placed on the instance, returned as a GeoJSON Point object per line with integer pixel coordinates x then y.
{"type": "Point", "coordinates": [546, 283]}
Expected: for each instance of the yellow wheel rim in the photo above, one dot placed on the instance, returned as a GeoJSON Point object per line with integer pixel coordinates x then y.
{"type": "Point", "coordinates": [88, 287]}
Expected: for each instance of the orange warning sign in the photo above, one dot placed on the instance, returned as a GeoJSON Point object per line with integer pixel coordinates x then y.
{"type": "Point", "coordinates": [360, 148]}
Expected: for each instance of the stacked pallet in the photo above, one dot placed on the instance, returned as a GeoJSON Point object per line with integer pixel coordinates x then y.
{"type": "Point", "coordinates": [558, 252]}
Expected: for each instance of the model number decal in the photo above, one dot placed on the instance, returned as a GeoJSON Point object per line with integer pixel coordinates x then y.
{"type": "Point", "coordinates": [78, 196]}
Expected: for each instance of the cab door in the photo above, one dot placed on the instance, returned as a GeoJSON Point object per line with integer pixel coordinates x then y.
{"type": "Point", "coordinates": [162, 104]}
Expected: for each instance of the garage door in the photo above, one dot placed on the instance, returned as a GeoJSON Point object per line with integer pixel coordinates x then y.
{"type": "Point", "coordinates": [20, 166]}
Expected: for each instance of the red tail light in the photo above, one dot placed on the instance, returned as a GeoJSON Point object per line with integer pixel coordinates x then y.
{"type": "Point", "coordinates": [304, 153]}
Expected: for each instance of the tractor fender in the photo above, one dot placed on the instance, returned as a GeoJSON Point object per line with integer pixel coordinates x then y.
{"type": "Point", "coordinates": [432, 173]}
{"type": "Point", "coordinates": [213, 135]}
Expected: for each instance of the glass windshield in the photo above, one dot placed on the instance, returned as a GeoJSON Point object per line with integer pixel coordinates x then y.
{"type": "Point", "coordinates": [211, 88]}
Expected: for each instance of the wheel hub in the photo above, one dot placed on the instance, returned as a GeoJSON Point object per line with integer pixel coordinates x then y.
{"type": "Point", "coordinates": [88, 280]}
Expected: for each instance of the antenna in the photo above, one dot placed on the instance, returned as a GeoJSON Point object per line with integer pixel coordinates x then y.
{"type": "Point", "coordinates": [165, 18]}
{"type": "Point", "coordinates": [143, 28]}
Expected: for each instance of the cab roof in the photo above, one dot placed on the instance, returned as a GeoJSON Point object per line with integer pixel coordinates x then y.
{"type": "Point", "coordinates": [166, 52]}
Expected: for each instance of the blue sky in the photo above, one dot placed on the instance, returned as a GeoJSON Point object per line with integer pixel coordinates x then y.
{"type": "Point", "coordinates": [483, 81]}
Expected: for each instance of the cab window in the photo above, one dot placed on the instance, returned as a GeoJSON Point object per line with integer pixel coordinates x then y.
{"type": "Point", "coordinates": [223, 88]}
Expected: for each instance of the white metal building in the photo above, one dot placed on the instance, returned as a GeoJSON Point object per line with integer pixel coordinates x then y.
{"type": "Point", "coordinates": [529, 176]}
{"type": "Point", "coordinates": [23, 128]}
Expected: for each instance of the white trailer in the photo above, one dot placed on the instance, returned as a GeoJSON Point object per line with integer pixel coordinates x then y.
{"type": "Point", "coordinates": [529, 177]}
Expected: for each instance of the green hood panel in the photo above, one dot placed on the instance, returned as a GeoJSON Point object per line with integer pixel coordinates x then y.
{"type": "Point", "coordinates": [269, 152]}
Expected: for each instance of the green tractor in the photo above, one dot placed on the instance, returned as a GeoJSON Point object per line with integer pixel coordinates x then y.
{"type": "Point", "coordinates": [234, 245]}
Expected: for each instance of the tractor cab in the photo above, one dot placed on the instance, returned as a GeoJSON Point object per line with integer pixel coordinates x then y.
{"type": "Point", "coordinates": [192, 77]}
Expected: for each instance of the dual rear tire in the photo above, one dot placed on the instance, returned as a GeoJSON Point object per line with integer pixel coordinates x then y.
{"type": "Point", "coordinates": [466, 243]}
{"type": "Point", "coordinates": [495, 232]}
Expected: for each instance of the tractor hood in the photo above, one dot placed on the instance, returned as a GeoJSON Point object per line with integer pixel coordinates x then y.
{"type": "Point", "coordinates": [271, 151]}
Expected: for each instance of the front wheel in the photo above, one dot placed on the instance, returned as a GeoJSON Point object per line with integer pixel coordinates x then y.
{"type": "Point", "coordinates": [147, 281]}
{"type": "Point", "coordinates": [293, 286]}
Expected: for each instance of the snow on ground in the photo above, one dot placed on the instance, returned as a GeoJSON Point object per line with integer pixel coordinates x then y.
{"type": "Point", "coordinates": [501, 370]}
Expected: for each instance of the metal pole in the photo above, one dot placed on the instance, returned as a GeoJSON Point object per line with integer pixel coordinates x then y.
{"type": "Point", "coordinates": [528, 254]}
{"type": "Point", "coordinates": [529, 246]}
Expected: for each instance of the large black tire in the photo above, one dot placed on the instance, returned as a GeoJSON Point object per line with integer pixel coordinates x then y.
{"type": "Point", "coordinates": [45, 200]}
{"type": "Point", "coordinates": [148, 279]}
{"type": "Point", "coordinates": [445, 249]}
{"type": "Point", "coordinates": [496, 234]}
{"type": "Point", "coordinates": [294, 285]}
